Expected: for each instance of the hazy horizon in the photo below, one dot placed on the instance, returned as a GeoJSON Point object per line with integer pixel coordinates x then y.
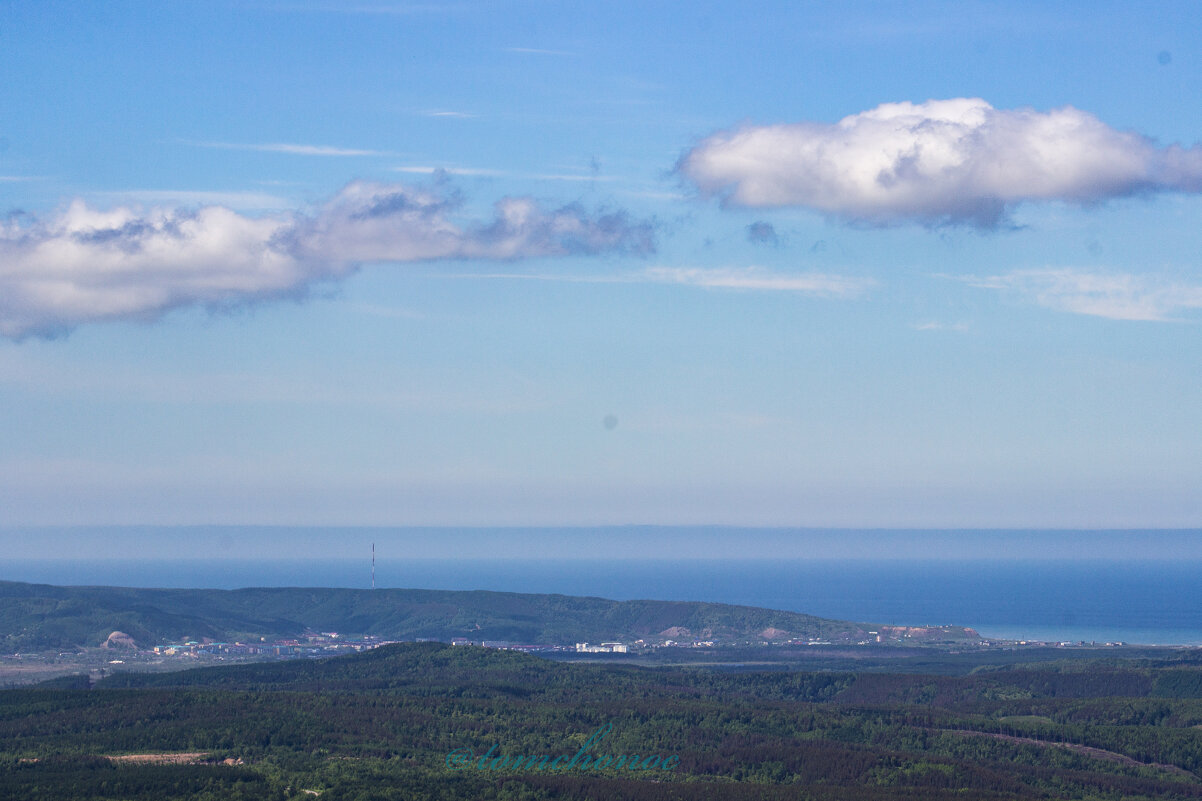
{"type": "Point", "coordinates": [602, 543]}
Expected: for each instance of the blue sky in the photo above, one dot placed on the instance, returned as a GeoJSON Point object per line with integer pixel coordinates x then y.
{"type": "Point", "coordinates": [534, 263]}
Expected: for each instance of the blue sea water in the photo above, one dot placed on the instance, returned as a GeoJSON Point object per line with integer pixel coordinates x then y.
{"type": "Point", "coordinates": [1133, 601]}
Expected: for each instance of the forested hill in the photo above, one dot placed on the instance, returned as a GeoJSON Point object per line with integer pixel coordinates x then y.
{"type": "Point", "coordinates": [36, 616]}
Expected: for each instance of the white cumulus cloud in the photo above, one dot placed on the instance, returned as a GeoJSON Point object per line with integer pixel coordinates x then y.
{"type": "Point", "coordinates": [958, 161]}
{"type": "Point", "coordinates": [1116, 296]}
{"type": "Point", "coordinates": [84, 264]}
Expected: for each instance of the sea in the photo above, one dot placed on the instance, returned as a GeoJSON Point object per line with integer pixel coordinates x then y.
{"type": "Point", "coordinates": [1061, 600]}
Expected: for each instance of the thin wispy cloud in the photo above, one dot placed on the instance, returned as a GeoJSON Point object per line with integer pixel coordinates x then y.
{"type": "Point", "coordinates": [564, 176]}
{"type": "Point", "coordinates": [85, 264]}
{"type": "Point", "coordinates": [565, 278]}
{"type": "Point", "coordinates": [467, 171]}
{"type": "Point", "coordinates": [294, 149]}
{"type": "Point", "coordinates": [1115, 296]}
{"type": "Point", "coordinates": [933, 325]}
{"type": "Point", "coordinates": [754, 278]}
{"type": "Point", "coordinates": [20, 178]}
{"type": "Point", "coordinates": [477, 171]}
{"type": "Point", "coordinates": [652, 195]}
{"type": "Point", "coordinates": [237, 386]}
{"type": "Point", "coordinates": [744, 278]}
{"type": "Point", "coordinates": [459, 115]}
{"type": "Point", "coordinates": [959, 162]}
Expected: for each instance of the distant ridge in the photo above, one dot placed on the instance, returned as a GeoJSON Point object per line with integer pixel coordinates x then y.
{"type": "Point", "coordinates": [43, 616]}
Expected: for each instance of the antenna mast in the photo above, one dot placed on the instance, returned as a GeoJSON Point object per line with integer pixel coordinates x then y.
{"type": "Point", "coordinates": [373, 565]}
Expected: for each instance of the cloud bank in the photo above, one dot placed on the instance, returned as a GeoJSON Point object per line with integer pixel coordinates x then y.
{"type": "Point", "coordinates": [1115, 296]}
{"type": "Point", "coordinates": [957, 161]}
{"type": "Point", "coordinates": [86, 265]}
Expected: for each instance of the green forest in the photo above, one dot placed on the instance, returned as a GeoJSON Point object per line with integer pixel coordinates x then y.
{"type": "Point", "coordinates": [381, 724]}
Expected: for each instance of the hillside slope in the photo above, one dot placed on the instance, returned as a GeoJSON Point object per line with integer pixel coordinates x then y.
{"type": "Point", "coordinates": [34, 616]}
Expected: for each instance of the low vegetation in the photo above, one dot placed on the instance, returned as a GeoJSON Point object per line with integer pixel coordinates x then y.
{"type": "Point", "coordinates": [379, 725]}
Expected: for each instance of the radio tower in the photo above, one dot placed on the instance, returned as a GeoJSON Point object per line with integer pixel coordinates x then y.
{"type": "Point", "coordinates": [373, 565]}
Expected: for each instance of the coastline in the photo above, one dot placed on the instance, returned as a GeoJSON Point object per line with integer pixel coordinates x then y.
{"type": "Point", "coordinates": [1051, 601]}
